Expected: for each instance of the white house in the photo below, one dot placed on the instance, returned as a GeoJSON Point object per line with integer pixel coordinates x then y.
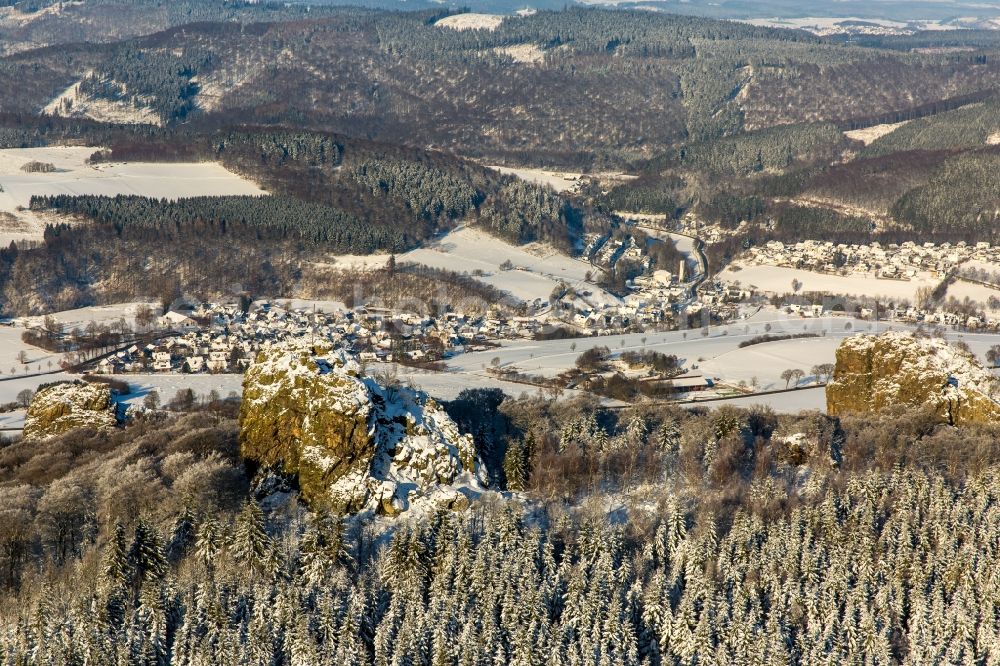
{"type": "Point", "coordinates": [176, 320]}
{"type": "Point", "coordinates": [161, 360]}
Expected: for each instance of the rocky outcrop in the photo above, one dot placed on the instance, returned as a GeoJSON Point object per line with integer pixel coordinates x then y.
{"type": "Point", "coordinates": [354, 444]}
{"type": "Point", "coordinates": [67, 406]}
{"type": "Point", "coordinates": [876, 372]}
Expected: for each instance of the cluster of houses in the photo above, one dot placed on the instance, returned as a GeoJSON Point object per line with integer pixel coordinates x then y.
{"type": "Point", "coordinates": [907, 315]}
{"type": "Point", "coordinates": [605, 251]}
{"type": "Point", "coordinates": [891, 261]}
{"type": "Point", "coordinates": [653, 301]}
{"type": "Point", "coordinates": [220, 338]}
{"type": "Point", "coordinates": [224, 338]}
{"type": "Point", "coordinates": [911, 315]}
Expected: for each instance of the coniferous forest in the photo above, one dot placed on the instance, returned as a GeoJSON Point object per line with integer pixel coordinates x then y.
{"type": "Point", "coordinates": [871, 540]}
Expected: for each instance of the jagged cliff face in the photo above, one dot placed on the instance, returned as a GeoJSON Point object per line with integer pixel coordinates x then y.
{"type": "Point", "coordinates": [875, 372]}
{"type": "Point", "coordinates": [63, 407]}
{"type": "Point", "coordinates": [355, 445]}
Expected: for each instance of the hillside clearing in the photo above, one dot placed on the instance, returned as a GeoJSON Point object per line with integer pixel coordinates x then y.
{"type": "Point", "coordinates": [867, 135]}
{"type": "Point", "coordinates": [72, 103]}
{"type": "Point", "coordinates": [471, 22]}
{"type": "Point", "coordinates": [560, 181]}
{"type": "Point", "coordinates": [526, 54]}
{"type": "Point", "coordinates": [74, 176]}
{"type": "Point", "coordinates": [537, 270]}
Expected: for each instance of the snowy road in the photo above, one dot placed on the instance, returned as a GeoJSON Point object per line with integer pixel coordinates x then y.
{"type": "Point", "coordinates": [791, 402]}
{"type": "Point", "coordinates": [549, 358]}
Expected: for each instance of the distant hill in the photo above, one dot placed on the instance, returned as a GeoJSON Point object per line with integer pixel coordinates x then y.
{"type": "Point", "coordinates": [372, 128]}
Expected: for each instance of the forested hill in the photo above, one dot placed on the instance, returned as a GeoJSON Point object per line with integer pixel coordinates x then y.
{"type": "Point", "coordinates": [657, 538]}
{"type": "Point", "coordinates": [33, 23]}
{"type": "Point", "coordinates": [928, 179]}
{"type": "Point", "coordinates": [407, 193]}
{"type": "Point", "coordinates": [366, 123]}
{"type": "Point", "coordinates": [580, 87]}
{"type": "Point", "coordinates": [328, 194]}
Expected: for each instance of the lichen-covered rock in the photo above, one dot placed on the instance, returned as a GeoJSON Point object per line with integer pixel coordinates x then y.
{"type": "Point", "coordinates": [67, 406]}
{"type": "Point", "coordinates": [875, 372]}
{"type": "Point", "coordinates": [354, 444]}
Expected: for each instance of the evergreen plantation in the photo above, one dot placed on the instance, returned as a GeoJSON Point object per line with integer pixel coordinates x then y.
{"type": "Point", "coordinates": [263, 218]}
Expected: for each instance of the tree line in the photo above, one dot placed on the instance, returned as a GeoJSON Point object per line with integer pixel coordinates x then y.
{"type": "Point", "coordinates": [246, 218]}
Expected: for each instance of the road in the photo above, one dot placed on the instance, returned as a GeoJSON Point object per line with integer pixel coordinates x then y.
{"type": "Point", "coordinates": [550, 357]}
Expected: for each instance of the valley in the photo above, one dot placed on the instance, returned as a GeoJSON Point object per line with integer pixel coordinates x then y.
{"type": "Point", "coordinates": [606, 334]}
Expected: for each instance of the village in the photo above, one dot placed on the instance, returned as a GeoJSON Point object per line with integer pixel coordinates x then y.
{"type": "Point", "coordinates": [727, 337]}
{"type": "Point", "coordinates": [893, 261]}
{"type": "Point", "coordinates": [946, 284]}
{"type": "Point", "coordinates": [221, 338]}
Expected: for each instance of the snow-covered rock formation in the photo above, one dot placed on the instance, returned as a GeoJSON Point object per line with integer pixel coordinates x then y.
{"type": "Point", "coordinates": [67, 406]}
{"type": "Point", "coordinates": [874, 372]}
{"type": "Point", "coordinates": [354, 444]}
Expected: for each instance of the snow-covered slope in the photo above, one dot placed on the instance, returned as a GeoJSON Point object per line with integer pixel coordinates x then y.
{"type": "Point", "coordinates": [354, 444]}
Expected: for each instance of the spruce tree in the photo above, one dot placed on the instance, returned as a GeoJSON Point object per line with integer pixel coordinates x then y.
{"type": "Point", "coordinates": [145, 556]}
{"type": "Point", "coordinates": [250, 547]}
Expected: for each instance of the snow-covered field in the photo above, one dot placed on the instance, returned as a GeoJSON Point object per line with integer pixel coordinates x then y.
{"type": "Point", "coordinates": [11, 346]}
{"type": "Point", "coordinates": [538, 269]}
{"type": "Point", "coordinates": [868, 134]}
{"type": "Point", "coordinates": [447, 385]}
{"type": "Point", "coordinates": [167, 385]}
{"type": "Point", "coordinates": [9, 388]}
{"type": "Point", "coordinates": [767, 361]}
{"type": "Point", "coordinates": [471, 21]}
{"type": "Point", "coordinates": [361, 262]}
{"type": "Point", "coordinates": [778, 279]}
{"type": "Point", "coordinates": [74, 176]}
{"type": "Point", "coordinates": [979, 293]}
{"type": "Point", "coordinates": [100, 314]}
{"type": "Point", "coordinates": [523, 53]}
{"type": "Point", "coordinates": [9, 420]}
{"type": "Point", "coordinates": [551, 357]}
{"type": "Point", "coordinates": [684, 243]}
{"type": "Point", "coordinates": [558, 180]}
{"type": "Point", "coordinates": [562, 181]}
